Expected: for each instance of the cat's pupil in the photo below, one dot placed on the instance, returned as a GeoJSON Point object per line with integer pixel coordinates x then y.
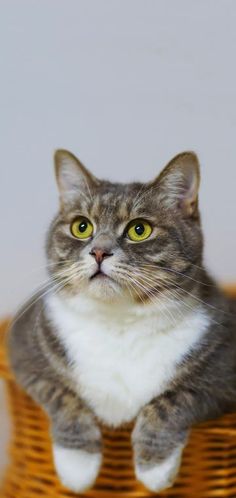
{"type": "Point", "coordinates": [139, 229]}
{"type": "Point", "coordinates": [83, 226]}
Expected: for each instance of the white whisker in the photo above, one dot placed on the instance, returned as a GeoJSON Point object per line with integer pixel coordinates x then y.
{"type": "Point", "coordinates": [152, 297]}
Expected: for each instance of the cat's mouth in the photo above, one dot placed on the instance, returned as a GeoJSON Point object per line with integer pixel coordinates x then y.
{"type": "Point", "coordinates": [99, 274]}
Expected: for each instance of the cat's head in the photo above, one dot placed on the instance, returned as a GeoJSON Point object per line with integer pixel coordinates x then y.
{"type": "Point", "coordinates": [136, 240]}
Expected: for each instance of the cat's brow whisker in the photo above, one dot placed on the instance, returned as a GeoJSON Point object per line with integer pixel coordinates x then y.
{"type": "Point", "coordinates": [88, 189]}
{"type": "Point", "coordinates": [149, 190]}
{"type": "Point", "coordinates": [85, 197]}
{"type": "Point", "coordinates": [138, 195]}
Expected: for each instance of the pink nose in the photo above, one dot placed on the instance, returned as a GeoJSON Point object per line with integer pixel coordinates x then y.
{"type": "Point", "coordinates": [100, 255]}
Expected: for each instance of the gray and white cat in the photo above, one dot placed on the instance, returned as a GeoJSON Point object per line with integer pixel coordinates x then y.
{"type": "Point", "coordinates": [131, 328]}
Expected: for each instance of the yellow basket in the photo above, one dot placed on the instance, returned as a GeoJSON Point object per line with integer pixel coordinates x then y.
{"type": "Point", "coordinates": [208, 469]}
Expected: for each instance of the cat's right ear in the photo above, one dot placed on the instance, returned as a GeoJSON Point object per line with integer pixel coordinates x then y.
{"type": "Point", "coordinates": [72, 177]}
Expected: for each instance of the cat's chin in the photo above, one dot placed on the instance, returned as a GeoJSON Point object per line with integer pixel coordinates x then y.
{"type": "Point", "coordinates": [104, 288]}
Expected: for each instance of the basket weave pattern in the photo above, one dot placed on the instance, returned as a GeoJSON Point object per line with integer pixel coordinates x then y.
{"type": "Point", "coordinates": [208, 469]}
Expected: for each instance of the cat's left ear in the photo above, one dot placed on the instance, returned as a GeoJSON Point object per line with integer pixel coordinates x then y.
{"type": "Point", "coordinates": [73, 178]}
{"type": "Point", "coordinates": [178, 183]}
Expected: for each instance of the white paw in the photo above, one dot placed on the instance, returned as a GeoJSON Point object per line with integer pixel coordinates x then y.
{"type": "Point", "coordinates": [77, 469]}
{"type": "Point", "coordinates": [161, 476]}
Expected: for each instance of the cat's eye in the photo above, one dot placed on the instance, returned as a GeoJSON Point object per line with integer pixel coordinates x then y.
{"type": "Point", "coordinates": [139, 230]}
{"type": "Point", "coordinates": [81, 228]}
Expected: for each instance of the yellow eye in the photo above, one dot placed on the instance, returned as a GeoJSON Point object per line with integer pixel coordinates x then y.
{"type": "Point", "coordinates": [81, 228]}
{"type": "Point", "coordinates": [139, 230]}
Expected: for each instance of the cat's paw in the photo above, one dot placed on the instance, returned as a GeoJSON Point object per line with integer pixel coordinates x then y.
{"type": "Point", "coordinates": [77, 469]}
{"type": "Point", "coordinates": [161, 476]}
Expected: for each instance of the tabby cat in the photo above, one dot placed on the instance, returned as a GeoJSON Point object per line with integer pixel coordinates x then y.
{"type": "Point", "coordinates": [131, 326]}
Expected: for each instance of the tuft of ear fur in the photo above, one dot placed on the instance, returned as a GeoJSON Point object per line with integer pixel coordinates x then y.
{"type": "Point", "coordinates": [178, 183]}
{"type": "Point", "coordinates": [72, 176]}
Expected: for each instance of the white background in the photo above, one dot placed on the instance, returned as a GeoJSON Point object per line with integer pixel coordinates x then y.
{"type": "Point", "coordinates": [125, 85]}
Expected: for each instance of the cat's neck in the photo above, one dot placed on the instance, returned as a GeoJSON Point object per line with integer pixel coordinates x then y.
{"type": "Point", "coordinates": [123, 310]}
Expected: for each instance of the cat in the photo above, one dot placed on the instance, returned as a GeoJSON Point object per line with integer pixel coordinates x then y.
{"type": "Point", "coordinates": [131, 326]}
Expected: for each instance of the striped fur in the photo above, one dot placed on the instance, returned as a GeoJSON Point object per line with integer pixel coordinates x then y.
{"type": "Point", "coordinates": [152, 339]}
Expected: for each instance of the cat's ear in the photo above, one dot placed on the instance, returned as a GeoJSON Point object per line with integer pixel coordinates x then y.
{"type": "Point", "coordinates": [72, 176]}
{"type": "Point", "coordinates": [178, 183]}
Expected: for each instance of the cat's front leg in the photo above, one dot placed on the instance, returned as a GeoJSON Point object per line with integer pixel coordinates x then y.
{"type": "Point", "coordinates": [76, 448]}
{"type": "Point", "coordinates": [76, 436]}
{"type": "Point", "coordinates": [158, 444]}
{"type": "Point", "coordinates": [77, 439]}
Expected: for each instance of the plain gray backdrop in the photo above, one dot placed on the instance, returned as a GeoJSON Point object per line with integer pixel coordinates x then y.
{"type": "Point", "coordinates": [125, 85]}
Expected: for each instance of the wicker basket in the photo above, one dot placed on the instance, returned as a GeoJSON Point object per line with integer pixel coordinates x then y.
{"type": "Point", "coordinates": [208, 468]}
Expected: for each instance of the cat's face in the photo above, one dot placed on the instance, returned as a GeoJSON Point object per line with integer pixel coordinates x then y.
{"type": "Point", "coordinates": [137, 241]}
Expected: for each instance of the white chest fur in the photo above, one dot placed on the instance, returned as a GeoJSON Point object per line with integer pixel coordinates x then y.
{"type": "Point", "coordinates": [121, 358]}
